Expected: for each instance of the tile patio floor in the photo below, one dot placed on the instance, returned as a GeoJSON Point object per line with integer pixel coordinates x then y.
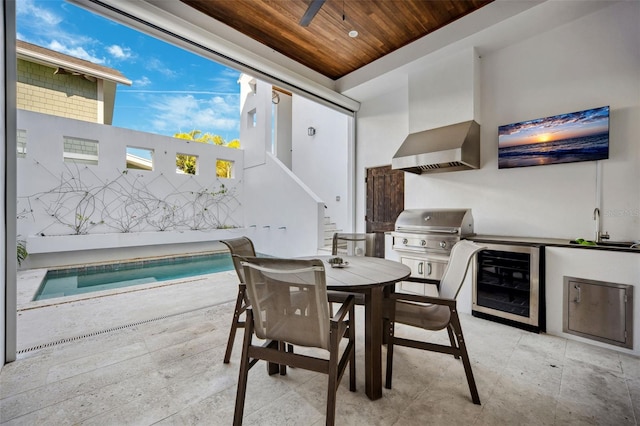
{"type": "Point", "coordinates": [134, 359]}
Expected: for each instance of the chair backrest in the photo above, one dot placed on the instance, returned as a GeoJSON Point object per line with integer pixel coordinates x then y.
{"type": "Point", "coordinates": [353, 244]}
{"type": "Point", "coordinates": [456, 271]}
{"type": "Point", "coordinates": [242, 246]}
{"type": "Point", "coordinates": [289, 300]}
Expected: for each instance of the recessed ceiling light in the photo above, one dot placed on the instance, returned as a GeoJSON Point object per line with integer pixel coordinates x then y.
{"type": "Point", "coordinates": [353, 34]}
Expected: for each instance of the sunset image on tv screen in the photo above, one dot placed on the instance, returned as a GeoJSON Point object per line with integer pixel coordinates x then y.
{"type": "Point", "coordinates": [564, 138]}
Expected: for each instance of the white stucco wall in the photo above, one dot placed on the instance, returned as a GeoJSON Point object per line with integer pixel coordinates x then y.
{"type": "Point", "coordinates": [282, 129]}
{"type": "Point", "coordinates": [255, 135]}
{"type": "Point", "coordinates": [283, 213]}
{"type": "Point", "coordinates": [283, 216]}
{"type": "Point", "coordinates": [445, 92]}
{"type": "Point", "coordinates": [158, 202]}
{"type": "Point", "coordinates": [322, 161]}
{"type": "Point", "coordinates": [577, 66]}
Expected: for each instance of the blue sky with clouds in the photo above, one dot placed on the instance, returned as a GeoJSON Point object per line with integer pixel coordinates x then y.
{"type": "Point", "coordinates": [173, 90]}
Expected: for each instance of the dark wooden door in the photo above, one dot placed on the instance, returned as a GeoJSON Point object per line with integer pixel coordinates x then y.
{"type": "Point", "coordinates": [385, 201]}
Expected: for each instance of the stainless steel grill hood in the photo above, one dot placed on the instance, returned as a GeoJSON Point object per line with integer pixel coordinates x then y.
{"type": "Point", "coordinates": [444, 149]}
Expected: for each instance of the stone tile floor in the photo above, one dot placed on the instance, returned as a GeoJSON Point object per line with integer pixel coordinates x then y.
{"type": "Point", "coordinates": [133, 358]}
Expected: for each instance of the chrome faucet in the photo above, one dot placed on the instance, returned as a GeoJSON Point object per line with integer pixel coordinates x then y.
{"type": "Point", "coordinates": [599, 234]}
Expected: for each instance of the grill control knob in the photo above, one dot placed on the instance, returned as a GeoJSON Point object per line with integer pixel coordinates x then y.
{"type": "Point", "coordinates": [443, 244]}
{"type": "Point", "coordinates": [423, 243]}
{"type": "Point", "coordinates": [405, 241]}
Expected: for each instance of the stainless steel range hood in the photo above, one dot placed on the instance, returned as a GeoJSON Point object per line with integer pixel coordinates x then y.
{"type": "Point", "coordinates": [444, 149]}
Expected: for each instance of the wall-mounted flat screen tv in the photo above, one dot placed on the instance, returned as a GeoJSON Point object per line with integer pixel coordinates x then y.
{"type": "Point", "coordinates": [564, 138]}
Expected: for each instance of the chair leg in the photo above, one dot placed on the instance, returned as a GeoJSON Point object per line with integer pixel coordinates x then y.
{"type": "Point", "coordinates": [282, 347]}
{"type": "Point", "coordinates": [332, 379]}
{"type": "Point", "coordinates": [235, 322]}
{"type": "Point", "coordinates": [390, 332]}
{"type": "Point", "coordinates": [272, 367]}
{"type": "Point", "coordinates": [244, 372]}
{"type": "Point", "coordinates": [352, 358]}
{"type": "Point", "coordinates": [452, 339]}
{"type": "Point", "coordinates": [331, 398]}
{"type": "Point", "coordinates": [455, 322]}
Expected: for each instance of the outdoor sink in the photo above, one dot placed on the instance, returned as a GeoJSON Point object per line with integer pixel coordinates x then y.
{"type": "Point", "coordinates": [621, 244]}
{"type": "Point", "coordinates": [626, 244]}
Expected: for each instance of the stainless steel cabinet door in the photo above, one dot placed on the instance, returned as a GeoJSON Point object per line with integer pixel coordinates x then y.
{"type": "Point", "coordinates": [599, 310]}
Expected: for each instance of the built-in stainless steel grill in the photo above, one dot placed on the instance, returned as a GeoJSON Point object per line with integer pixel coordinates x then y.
{"type": "Point", "coordinates": [423, 238]}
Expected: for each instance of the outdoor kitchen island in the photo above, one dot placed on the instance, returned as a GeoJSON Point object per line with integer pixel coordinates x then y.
{"type": "Point", "coordinates": [610, 268]}
{"type": "Point", "coordinates": [611, 265]}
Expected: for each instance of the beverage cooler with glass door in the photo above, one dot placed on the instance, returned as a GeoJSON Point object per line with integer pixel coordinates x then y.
{"type": "Point", "coordinates": [508, 285]}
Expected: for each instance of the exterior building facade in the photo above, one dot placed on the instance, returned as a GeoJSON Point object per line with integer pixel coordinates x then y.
{"type": "Point", "coordinates": [57, 84]}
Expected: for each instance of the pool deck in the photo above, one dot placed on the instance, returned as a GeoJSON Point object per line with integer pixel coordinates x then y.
{"type": "Point", "coordinates": [50, 321]}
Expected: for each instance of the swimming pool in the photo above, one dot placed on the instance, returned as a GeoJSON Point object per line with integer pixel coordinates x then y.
{"type": "Point", "coordinates": [74, 281]}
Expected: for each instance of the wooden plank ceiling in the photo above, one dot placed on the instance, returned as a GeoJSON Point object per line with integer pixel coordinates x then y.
{"type": "Point", "coordinates": [325, 45]}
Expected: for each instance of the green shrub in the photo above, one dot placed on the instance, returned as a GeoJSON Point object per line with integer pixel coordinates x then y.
{"type": "Point", "coordinates": [22, 251]}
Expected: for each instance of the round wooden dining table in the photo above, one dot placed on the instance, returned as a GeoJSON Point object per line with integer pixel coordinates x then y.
{"type": "Point", "coordinates": [371, 276]}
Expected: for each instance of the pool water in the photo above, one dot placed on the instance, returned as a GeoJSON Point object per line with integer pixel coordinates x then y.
{"type": "Point", "coordinates": [73, 281]}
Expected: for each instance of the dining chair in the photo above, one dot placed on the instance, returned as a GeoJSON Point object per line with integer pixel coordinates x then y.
{"type": "Point", "coordinates": [350, 244]}
{"type": "Point", "coordinates": [353, 244]}
{"type": "Point", "coordinates": [241, 246]}
{"type": "Point", "coordinates": [274, 317]}
{"type": "Point", "coordinates": [434, 313]}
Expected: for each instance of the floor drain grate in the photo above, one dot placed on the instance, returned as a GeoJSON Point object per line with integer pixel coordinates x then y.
{"type": "Point", "coordinates": [109, 330]}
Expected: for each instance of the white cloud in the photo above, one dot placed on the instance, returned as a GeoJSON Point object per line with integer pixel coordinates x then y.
{"type": "Point", "coordinates": [75, 51]}
{"type": "Point", "coordinates": [155, 64]}
{"type": "Point", "coordinates": [37, 15]}
{"type": "Point", "coordinates": [43, 26]}
{"type": "Point", "coordinates": [119, 52]}
{"type": "Point", "coordinates": [215, 115]}
{"type": "Point", "coordinates": [142, 82]}
{"type": "Point", "coordinates": [226, 80]}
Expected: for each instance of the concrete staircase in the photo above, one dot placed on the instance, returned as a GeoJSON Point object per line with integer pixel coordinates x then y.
{"type": "Point", "coordinates": [329, 229]}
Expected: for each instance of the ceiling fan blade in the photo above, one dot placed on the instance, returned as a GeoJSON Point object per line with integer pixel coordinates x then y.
{"type": "Point", "coordinates": [313, 8]}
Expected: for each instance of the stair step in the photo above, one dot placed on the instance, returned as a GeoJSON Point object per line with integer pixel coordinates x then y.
{"type": "Point", "coordinates": [325, 251]}
{"type": "Point", "coordinates": [330, 228]}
